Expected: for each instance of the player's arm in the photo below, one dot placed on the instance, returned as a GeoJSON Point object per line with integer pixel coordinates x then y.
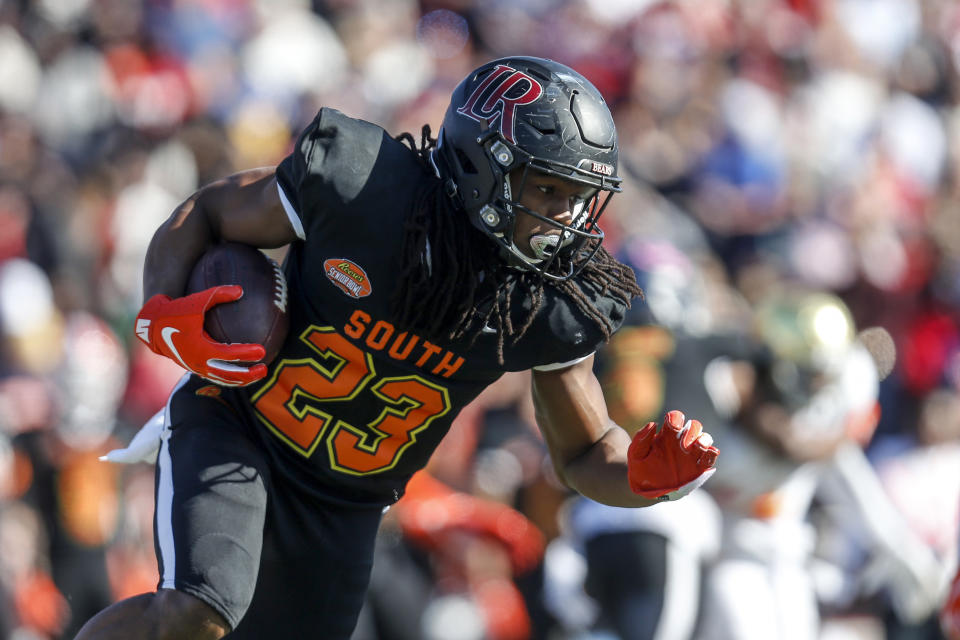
{"type": "Point", "coordinates": [598, 459]}
{"type": "Point", "coordinates": [244, 207]}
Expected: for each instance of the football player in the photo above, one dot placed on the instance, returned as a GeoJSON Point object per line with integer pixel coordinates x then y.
{"type": "Point", "coordinates": [417, 276]}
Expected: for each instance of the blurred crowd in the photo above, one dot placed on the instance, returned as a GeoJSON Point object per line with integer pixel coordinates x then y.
{"type": "Point", "coordinates": [766, 145]}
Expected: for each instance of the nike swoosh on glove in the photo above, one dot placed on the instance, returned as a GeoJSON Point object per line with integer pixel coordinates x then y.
{"type": "Point", "coordinates": [670, 462]}
{"type": "Point", "coordinates": [173, 327]}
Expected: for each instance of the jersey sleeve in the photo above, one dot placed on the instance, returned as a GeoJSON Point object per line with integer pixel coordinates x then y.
{"type": "Point", "coordinates": [575, 335]}
{"type": "Point", "coordinates": [554, 366]}
{"type": "Point", "coordinates": [332, 163]}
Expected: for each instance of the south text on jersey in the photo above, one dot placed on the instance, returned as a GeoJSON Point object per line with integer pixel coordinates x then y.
{"type": "Point", "coordinates": [381, 335]}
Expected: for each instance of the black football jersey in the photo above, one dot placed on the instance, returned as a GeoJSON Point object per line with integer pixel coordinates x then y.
{"type": "Point", "coordinates": [355, 404]}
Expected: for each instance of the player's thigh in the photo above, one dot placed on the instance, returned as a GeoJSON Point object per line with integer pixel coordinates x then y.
{"type": "Point", "coordinates": [315, 569]}
{"type": "Point", "coordinates": [211, 501]}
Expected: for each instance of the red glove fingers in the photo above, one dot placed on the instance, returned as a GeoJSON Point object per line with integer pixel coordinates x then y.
{"type": "Point", "coordinates": [670, 462]}
{"type": "Point", "coordinates": [219, 295]}
{"type": "Point", "coordinates": [173, 327]}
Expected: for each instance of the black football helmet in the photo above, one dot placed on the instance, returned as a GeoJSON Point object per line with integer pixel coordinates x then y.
{"type": "Point", "coordinates": [518, 115]}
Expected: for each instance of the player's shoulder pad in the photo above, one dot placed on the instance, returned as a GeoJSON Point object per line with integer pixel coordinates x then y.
{"type": "Point", "coordinates": [340, 160]}
{"type": "Point", "coordinates": [335, 154]}
{"type": "Point", "coordinates": [573, 329]}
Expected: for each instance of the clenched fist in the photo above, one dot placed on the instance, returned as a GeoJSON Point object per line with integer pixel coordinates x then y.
{"type": "Point", "coordinates": [668, 462]}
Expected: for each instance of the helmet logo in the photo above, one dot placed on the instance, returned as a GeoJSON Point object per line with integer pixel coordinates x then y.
{"type": "Point", "coordinates": [497, 107]}
{"type": "Point", "coordinates": [601, 167]}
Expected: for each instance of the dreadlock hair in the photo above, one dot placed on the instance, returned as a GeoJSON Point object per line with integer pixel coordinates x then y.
{"type": "Point", "coordinates": [453, 281]}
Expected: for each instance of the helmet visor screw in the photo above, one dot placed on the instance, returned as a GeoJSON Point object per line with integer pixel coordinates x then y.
{"type": "Point", "coordinates": [502, 153]}
{"type": "Point", "coordinates": [490, 217]}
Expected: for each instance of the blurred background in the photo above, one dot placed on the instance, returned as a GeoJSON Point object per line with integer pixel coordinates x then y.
{"type": "Point", "coordinates": [795, 155]}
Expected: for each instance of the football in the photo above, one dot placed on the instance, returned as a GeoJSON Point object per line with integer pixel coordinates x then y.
{"type": "Point", "coordinates": [260, 316]}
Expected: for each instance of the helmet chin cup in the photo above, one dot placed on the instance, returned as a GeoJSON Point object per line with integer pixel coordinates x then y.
{"type": "Point", "coordinates": [546, 246]}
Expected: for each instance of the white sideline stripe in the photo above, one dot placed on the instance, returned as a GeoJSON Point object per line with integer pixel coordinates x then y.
{"type": "Point", "coordinates": [168, 553]}
{"type": "Point", "coordinates": [291, 214]}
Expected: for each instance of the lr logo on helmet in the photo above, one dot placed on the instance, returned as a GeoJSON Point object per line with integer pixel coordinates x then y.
{"type": "Point", "coordinates": [496, 105]}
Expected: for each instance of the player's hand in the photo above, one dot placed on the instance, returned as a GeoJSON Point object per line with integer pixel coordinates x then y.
{"type": "Point", "coordinates": [950, 614]}
{"type": "Point", "coordinates": [173, 327]}
{"type": "Point", "coordinates": [670, 462]}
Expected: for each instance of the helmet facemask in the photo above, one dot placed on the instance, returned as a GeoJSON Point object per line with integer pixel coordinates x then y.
{"type": "Point", "coordinates": [556, 255]}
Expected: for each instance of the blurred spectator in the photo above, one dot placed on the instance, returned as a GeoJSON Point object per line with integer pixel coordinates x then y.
{"type": "Point", "coordinates": [474, 548]}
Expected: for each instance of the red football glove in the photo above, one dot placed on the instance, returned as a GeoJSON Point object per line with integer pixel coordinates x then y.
{"type": "Point", "coordinates": [950, 614]}
{"type": "Point", "coordinates": [670, 462]}
{"type": "Point", "coordinates": [173, 327]}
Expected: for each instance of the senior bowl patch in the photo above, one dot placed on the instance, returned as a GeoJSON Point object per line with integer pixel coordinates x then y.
{"type": "Point", "coordinates": [349, 276]}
